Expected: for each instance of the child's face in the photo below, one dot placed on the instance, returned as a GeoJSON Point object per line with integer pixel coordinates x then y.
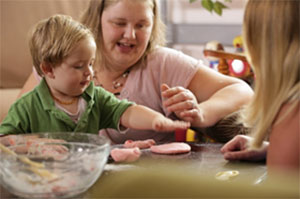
{"type": "Point", "coordinates": [74, 74]}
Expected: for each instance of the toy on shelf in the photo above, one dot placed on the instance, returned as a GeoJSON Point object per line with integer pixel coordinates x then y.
{"type": "Point", "coordinates": [239, 68]}
{"type": "Point", "coordinates": [213, 61]}
{"type": "Point", "coordinates": [232, 64]}
{"type": "Point", "coordinates": [238, 44]}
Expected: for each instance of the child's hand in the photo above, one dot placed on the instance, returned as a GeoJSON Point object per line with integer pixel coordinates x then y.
{"type": "Point", "coordinates": [162, 123]}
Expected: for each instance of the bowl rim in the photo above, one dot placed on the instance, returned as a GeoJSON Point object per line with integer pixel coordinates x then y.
{"type": "Point", "coordinates": [106, 141]}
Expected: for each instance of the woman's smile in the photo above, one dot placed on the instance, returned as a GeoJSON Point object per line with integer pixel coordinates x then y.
{"type": "Point", "coordinates": [125, 47]}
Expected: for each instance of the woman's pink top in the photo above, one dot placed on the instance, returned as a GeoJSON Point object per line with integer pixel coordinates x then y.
{"type": "Point", "coordinates": [143, 84]}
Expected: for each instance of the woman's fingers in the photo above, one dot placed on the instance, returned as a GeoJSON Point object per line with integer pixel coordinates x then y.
{"type": "Point", "coordinates": [164, 87]}
{"type": "Point", "coordinates": [182, 106]}
{"type": "Point", "coordinates": [249, 155]}
{"type": "Point", "coordinates": [178, 98]}
{"type": "Point", "coordinates": [182, 102]}
{"type": "Point", "coordinates": [237, 149]}
{"type": "Point", "coordinates": [239, 142]}
{"type": "Point", "coordinates": [168, 92]}
{"type": "Point", "coordinates": [238, 155]}
{"type": "Point", "coordinates": [231, 145]}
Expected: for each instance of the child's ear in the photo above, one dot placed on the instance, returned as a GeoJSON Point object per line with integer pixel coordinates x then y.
{"type": "Point", "coordinates": [47, 69]}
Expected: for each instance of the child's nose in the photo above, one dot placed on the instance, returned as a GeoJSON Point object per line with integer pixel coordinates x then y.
{"type": "Point", "coordinates": [89, 71]}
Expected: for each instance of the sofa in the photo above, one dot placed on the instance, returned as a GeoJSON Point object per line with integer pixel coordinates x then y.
{"type": "Point", "coordinates": [17, 19]}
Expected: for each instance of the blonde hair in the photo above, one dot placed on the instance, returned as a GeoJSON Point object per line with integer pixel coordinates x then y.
{"type": "Point", "coordinates": [92, 19]}
{"type": "Point", "coordinates": [271, 36]}
{"type": "Point", "coordinates": [52, 40]}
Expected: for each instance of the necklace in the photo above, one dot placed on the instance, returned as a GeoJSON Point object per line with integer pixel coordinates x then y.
{"type": "Point", "coordinates": [64, 102]}
{"type": "Point", "coordinates": [116, 84]}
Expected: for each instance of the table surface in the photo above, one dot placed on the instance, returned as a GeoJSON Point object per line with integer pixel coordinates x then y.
{"type": "Point", "coordinates": [204, 158]}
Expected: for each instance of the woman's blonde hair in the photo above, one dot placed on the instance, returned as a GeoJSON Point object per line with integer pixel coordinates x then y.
{"type": "Point", "coordinates": [271, 36]}
{"type": "Point", "coordinates": [92, 19]}
{"type": "Point", "coordinates": [52, 39]}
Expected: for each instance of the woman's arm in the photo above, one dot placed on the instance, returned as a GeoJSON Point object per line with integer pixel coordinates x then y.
{"type": "Point", "coordinates": [143, 118]}
{"type": "Point", "coordinates": [212, 96]}
{"type": "Point", "coordinates": [30, 83]}
{"type": "Point", "coordinates": [283, 153]}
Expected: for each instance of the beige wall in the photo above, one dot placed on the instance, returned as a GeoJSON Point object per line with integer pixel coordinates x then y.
{"type": "Point", "coordinates": [17, 17]}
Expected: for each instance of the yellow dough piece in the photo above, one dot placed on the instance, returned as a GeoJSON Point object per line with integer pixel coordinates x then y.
{"type": "Point", "coordinates": [226, 175]}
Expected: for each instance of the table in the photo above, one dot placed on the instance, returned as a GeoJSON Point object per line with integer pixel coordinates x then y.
{"type": "Point", "coordinates": [205, 159]}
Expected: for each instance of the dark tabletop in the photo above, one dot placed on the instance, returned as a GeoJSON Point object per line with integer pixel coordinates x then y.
{"type": "Point", "coordinates": [204, 158]}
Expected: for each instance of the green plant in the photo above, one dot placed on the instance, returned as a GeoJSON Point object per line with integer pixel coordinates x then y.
{"type": "Point", "coordinates": [213, 6]}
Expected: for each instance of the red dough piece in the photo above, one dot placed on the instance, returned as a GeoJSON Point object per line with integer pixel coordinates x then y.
{"type": "Point", "coordinates": [171, 148]}
{"type": "Point", "coordinates": [125, 155]}
{"type": "Point", "coordinates": [142, 144]}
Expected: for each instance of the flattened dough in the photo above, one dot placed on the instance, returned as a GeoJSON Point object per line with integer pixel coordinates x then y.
{"type": "Point", "coordinates": [142, 144]}
{"type": "Point", "coordinates": [125, 155]}
{"type": "Point", "coordinates": [171, 148]}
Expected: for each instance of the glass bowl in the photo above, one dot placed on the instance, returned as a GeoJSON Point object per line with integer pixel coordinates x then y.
{"type": "Point", "coordinates": [72, 162]}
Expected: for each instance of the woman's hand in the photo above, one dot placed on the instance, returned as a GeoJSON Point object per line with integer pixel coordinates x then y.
{"type": "Point", "coordinates": [161, 123]}
{"type": "Point", "coordinates": [183, 103]}
{"type": "Point", "coordinates": [237, 149]}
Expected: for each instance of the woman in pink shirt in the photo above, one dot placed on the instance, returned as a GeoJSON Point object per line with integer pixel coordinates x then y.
{"type": "Point", "coordinates": [132, 63]}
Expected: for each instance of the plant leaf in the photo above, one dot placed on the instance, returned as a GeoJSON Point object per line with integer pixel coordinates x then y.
{"type": "Point", "coordinates": [218, 7]}
{"type": "Point", "coordinates": [220, 4]}
{"type": "Point", "coordinates": [208, 5]}
{"type": "Point", "coordinates": [191, 1]}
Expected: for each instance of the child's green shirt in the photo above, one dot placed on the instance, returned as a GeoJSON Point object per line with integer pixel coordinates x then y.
{"type": "Point", "coordinates": [36, 112]}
